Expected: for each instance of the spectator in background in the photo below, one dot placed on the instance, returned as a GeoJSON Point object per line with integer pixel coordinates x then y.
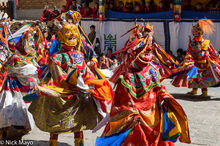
{"type": "Point", "coordinates": [130, 7]}
{"type": "Point", "coordinates": [107, 5]}
{"type": "Point", "coordinates": [127, 9]}
{"type": "Point", "coordinates": [180, 55]}
{"type": "Point", "coordinates": [199, 7]}
{"type": "Point", "coordinates": [63, 9]}
{"type": "Point", "coordinates": [171, 6]}
{"type": "Point", "coordinates": [109, 54]}
{"type": "Point", "coordinates": [56, 12]}
{"type": "Point", "coordinates": [110, 57]}
{"type": "Point", "coordinates": [188, 5]}
{"type": "Point", "coordinates": [111, 6]}
{"type": "Point", "coordinates": [153, 7]}
{"type": "Point", "coordinates": [85, 10]}
{"type": "Point", "coordinates": [68, 4]}
{"type": "Point", "coordinates": [92, 34]}
{"type": "Point", "coordinates": [121, 7]}
{"type": "Point", "coordinates": [47, 14]}
{"type": "Point", "coordinates": [142, 5]}
{"type": "Point", "coordinates": [137, 8]}
{"type": "Point", "coordinates": [170, 52]}
{"type": "Point", "coordinates": [184, 54]}
{"type": "Point", "coordinates": [95, 11]}
{"type": "Point", "coordinates": [82, 9]}
{"type": "Point", "coordinates": [103, 62]}
{"type": "Point", "coordinates": [114, 64]}
{"type": "Point", "coordinates": [72, 8]}
{"type": "Point", "coordinates": [161, 7]}
{"type": "Point", "coordinates": [75, 6]}
{"type": "Point", "coordinates": [147, 8]}
{"type": "Point", "coordinates": [94, 39]}
{"type": "Point", "coordinates": [87, 2]}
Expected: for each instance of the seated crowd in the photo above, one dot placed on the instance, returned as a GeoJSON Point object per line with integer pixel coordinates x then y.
{"type": "Point", "coordinates": [134, 6]}
{"type": "Point", "coordinates": [138, 7]}
{"type": "Point", "coordinates": [141, 6]}
{"type": "Point", "coordinates": [83, 8]}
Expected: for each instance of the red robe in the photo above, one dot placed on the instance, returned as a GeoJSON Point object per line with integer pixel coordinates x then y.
{"type": "Point", "coordinates": [138, 105]}
{"type": "Point", "coordinates": [68, 3]}
{"type": "Point", "coordinates": [202, 55]}
{"type": "Point", "coordinates": [47, 15]}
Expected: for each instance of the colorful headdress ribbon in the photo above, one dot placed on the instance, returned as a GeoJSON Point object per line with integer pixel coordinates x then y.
{"type": "Point", "coordinates": [70, 16]}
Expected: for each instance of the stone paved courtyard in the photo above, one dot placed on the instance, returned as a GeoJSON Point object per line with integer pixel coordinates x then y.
{"type": "Point", "coordinates": [203, 115]}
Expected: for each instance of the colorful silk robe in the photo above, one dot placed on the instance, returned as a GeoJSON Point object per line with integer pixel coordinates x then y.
{"type": "Point", "coordinates": [69, 97]}
{"type": "Point", "coordinates": [163, 61]}
{"type": "Point", "coordinates": [203, 57]}
{"type": "Point", "coordinates": [20, 79]}
{"type": "Point", "coordinates": [143, 113]}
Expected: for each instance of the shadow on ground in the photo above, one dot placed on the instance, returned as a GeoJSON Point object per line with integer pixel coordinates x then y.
{"type": "Point", "coordinates": [195, 98]}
